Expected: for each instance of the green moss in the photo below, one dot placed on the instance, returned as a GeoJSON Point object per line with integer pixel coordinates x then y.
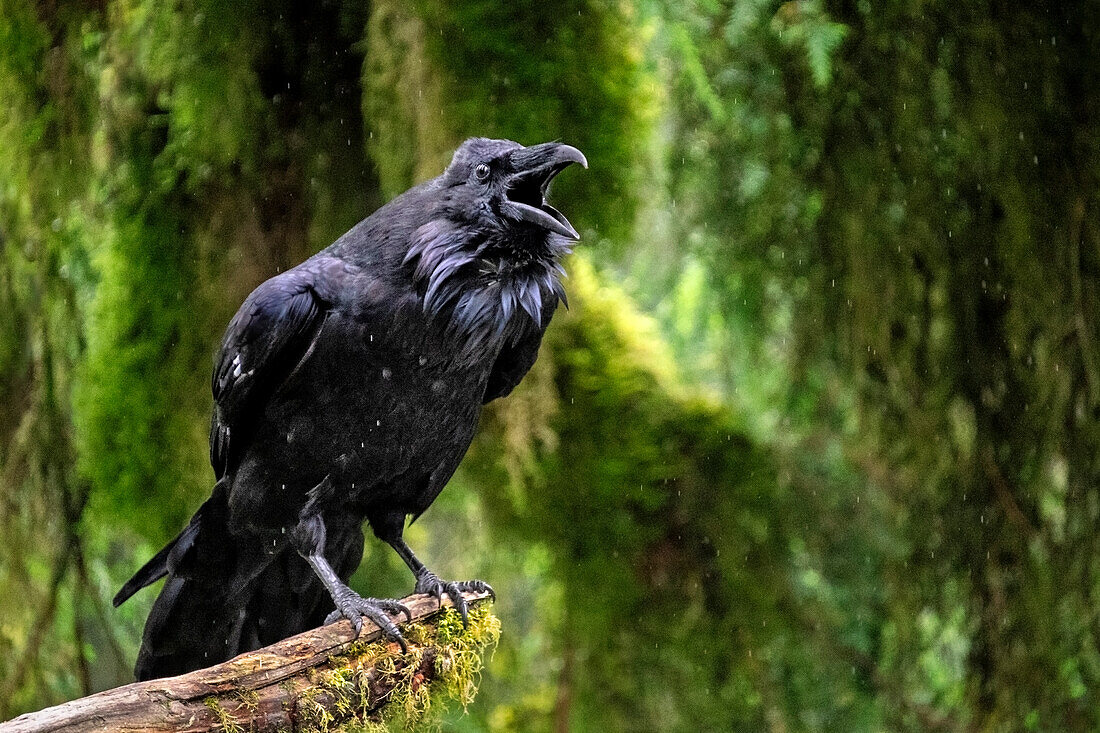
{"type": "Point", "coordinates": [372, 688]}
{"type": "Point", "coordinates": [651, 501]}
{"type": "Point", "coordinates": [249, 699]}
{"type": "Point", "coordinates": [438, 71]}
{"type": "Point", "coordinates": [225, 720]}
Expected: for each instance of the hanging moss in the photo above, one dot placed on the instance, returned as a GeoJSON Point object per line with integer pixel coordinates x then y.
{"type": "Point", "coordinates": [648, 496]}
{"type": "Point", "coordinates": [47, 223]}
{"type": "Point", "coordinates": [437, 72]}
{"type": "Point", "coordinates": [179, 107]}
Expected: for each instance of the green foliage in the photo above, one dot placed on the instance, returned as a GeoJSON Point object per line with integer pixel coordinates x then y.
{"type": "Point", "coordinates": [667, 528]}
{"type": "Point", "coordinates": [166, 136]}
{"type": "Point", "coordinates": [45, 227]}
{"type": "Point", "coordinates": [437, 72]}
{"type": "Point", "coordinates": [904, 253]}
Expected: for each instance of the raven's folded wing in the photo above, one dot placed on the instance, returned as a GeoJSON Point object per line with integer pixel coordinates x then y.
{"type": "Point", "coordinates": [272, 333]}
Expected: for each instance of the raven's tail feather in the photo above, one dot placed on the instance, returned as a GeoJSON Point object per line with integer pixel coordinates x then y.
{"type": "Point", "coordinates": [194, 606]}
{"type": "Point", "coordinates": [169, 555]}
{"type": "Point", "coordinates": [198, 616]}
{"type": "Point", "coordinates": [228, 594]}
{"type": "Point", "coordinates": [189, 627]}
{"type": "Point", "coordinates": [205, 615]}
{"type": "Point", "coordinates": [156, 568]}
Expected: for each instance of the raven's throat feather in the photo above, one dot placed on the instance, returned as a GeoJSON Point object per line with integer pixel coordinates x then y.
{"type": "Point", "coordinates": [487, 293]}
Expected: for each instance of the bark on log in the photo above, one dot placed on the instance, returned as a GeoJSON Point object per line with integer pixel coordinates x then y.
{"type": "Point", "coordinates": [285, 686]}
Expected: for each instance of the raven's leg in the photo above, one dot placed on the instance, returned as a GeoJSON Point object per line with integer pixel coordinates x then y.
{"type": "Point", "coordinates": [308, 537]}
{"type": "Point", "coordinates": [428, 582]}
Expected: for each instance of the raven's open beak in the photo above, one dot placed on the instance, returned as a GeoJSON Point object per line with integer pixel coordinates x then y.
{"type": "Point", "coordinates": [525, 192]}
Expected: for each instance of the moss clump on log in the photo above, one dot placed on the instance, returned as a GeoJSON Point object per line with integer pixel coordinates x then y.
{"type": "Point", "coordinates": [369, 688]}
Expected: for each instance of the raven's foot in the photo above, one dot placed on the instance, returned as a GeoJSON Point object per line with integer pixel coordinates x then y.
{"type": "Point", "coordinates": [354, 607]}
{"type": "Point", "coordinates": [428, 582]}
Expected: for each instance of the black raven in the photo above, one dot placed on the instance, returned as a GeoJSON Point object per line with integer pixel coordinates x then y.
{"type": "Point", "coordinates": [349, 388]}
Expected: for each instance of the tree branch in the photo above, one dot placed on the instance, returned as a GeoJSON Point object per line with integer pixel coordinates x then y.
{"type": "Point", "coordinates": [316, 680]}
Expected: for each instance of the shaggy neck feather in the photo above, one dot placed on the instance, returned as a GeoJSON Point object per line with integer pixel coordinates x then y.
{"type": "Point", "coordinates": [490, 295]}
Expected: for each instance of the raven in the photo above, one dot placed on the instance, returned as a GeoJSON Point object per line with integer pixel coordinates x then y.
{"type": "Point", "coordinates": [348, 389]}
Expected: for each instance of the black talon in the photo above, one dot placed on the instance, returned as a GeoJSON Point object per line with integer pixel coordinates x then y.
{"type": "Point", "coordinates": [478, 586]}
{"type": "Point", "coordinates": [454, 591]}
{"type": "Point", "coordinates": [354, 607]}
{"type": "Point", "coordinates": [309, 538]}
{"type": "Point", "coordinates": [429, 583]}
{"type": "Point", "coordinates": [395, 608]}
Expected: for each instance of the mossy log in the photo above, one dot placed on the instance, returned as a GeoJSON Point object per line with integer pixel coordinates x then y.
{"type": "Point", "coordinates": [320, 680]}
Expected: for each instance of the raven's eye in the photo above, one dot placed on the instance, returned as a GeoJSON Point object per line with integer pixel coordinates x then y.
{"type": "Point", "coordinates": [481, 173]}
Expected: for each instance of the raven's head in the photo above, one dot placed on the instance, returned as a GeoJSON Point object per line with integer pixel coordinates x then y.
{"type": "Point", "coordinates": [490, 250]}
{"type": "Point", "coordinates": [505, 184]}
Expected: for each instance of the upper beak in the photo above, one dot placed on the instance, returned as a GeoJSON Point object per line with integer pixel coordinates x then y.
{"type": "Point", "coordinates": [525, 192]}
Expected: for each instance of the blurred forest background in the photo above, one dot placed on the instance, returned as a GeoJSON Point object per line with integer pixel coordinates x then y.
{"type": "Point", "coordinates": [816, 446]}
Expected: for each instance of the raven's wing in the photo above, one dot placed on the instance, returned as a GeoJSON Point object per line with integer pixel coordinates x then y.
{"type": "Point", "coordinates": [272, 333]}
